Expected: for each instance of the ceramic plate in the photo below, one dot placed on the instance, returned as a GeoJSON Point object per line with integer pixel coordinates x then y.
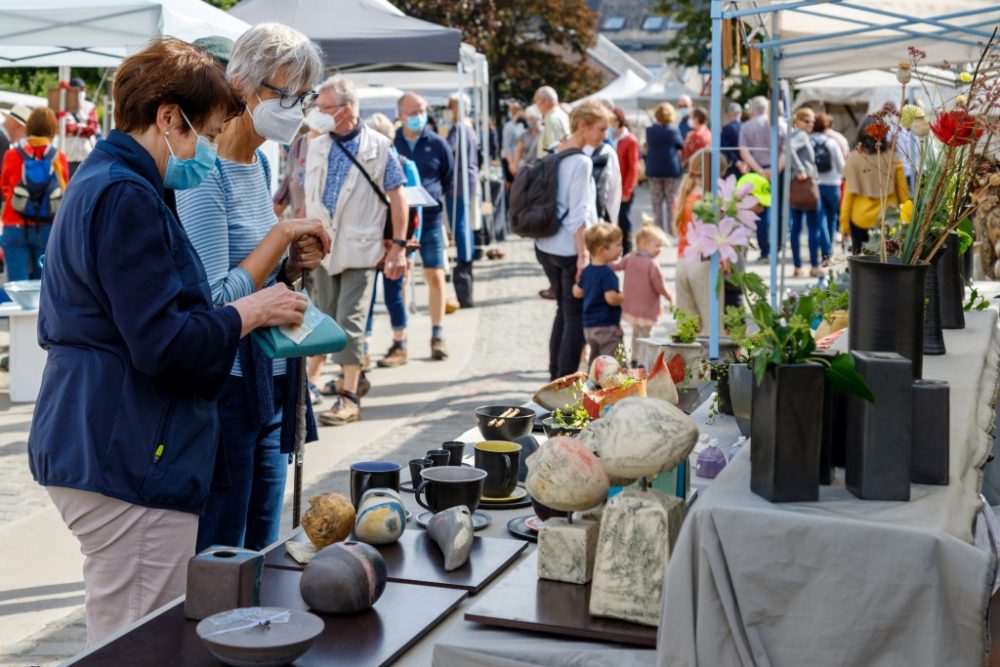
{"type": "Point", "coordinates": [519, 493]}
{"type": "Point", "coordinates": [259, 636]}
{"type": "Point", "coordinates": [518, 529]}
{"type": "Point", "coordinates": [479, 519]}
{"type": "Point", "coordinates": [533, 523]}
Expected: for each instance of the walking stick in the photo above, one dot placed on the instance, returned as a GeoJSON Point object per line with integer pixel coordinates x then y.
{"type": "Point", "coordinates": [300, 431]}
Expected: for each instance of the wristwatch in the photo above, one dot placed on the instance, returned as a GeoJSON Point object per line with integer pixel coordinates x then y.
{"type": "Point", "coordinates": [400, 242]}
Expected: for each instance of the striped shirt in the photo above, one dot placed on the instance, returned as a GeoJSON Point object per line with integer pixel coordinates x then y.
{"type": "Point", "coordinates": [226, 218]}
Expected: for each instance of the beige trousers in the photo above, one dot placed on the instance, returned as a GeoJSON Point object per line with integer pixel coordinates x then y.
{"type": "Point", "coordinates": [135, 557]}
{"type": "Point", "coordinates": [693, 290]}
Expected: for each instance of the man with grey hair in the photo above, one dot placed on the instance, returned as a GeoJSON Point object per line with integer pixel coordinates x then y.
{"type": "Point", "coordinates": [730, 138]}
{"type": "Point", "coordinates": [352, 178]}
{"type": "Point", "coordinates": [555, 121]}
{"type": "Point", "coordinates": [684, 106]}
{"type": "Point", "coordinates": [755, 152]}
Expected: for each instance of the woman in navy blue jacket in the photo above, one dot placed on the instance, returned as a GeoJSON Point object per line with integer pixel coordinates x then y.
{"type": "Point", "coordinates": [125, 427]}
{"type": "Point", "coordinates": [663, 165]}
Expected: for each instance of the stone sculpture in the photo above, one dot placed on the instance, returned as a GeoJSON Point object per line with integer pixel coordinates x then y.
{"type": "Point", "coordinates": [564, 475]}
{"type": "Point", "coordinates": [451, 530]}
{"type": "Point", "coordinates": [343, 578]}
{"type": "Point", "coordinates": [329, 519]}
{"type": "Point", "coordinates": [381, 517]}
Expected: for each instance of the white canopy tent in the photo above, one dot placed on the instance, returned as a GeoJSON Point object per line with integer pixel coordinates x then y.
{"type": "Point", "coordinates": [622, 91]}
{"type": "Point", "coordinates": [665, 87]}
{"type": "Point", "coordinates": [873, 87]}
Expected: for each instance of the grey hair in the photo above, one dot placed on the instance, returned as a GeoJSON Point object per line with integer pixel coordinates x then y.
{"type": "Point", "coordinates": [533, 112]}
{"type": "Point", "coordinates": [734, 108]}
{"type": "Point", "coordinates": [268, 48]}
{"type": "Point", "coordinates": [548, 93]}
{"type": "Point", "coordinates": [759, 105]}
{"type": "Point", "coordinates": [415, 95]}
{"type": "Point", "coordinates": [344, 89]}
{"type": "Point", "coordinates": [466, 101]}
{"type": "Point", "coordinates": [381, 124]}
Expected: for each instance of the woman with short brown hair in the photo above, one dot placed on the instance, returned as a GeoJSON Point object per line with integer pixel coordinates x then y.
{"type": "Point", "coordinates": [29, 207]}
{"type": "Point", "coordinates": [125, 427]}
{"type": "Point", "coordinates": [663, 165]}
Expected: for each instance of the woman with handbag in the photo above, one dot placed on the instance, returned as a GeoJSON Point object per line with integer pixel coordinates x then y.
{"type": "Point", "coordinates": [803, 196]}
{"type": "Point", "coordinates": [125, 429]}
{"type": "Point", "coordinates": [231, 223]}
{"type": "Point", "coordinates": [873, 178]}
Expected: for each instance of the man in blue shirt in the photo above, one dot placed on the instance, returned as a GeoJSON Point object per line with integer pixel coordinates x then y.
{"type": "Point", "coordinates": [435, 162]}
{"type": "Point", "coordinates": [731, 140]}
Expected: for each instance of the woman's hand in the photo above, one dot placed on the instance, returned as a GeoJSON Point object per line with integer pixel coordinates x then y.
{"type": "Point", "coordinates": [306, 253]}
{"type": "Point", "coordinates": [801, 176]}
{"type": "Point", "coordinates": [581, 263]}
{"type": "Point", "coordinates": [270, 307]}
{"type": "Point", "coordinates": [298, 228]}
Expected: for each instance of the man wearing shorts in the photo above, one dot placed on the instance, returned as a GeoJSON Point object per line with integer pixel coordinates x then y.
{"type": "Point", "coordinates": [434, 160]}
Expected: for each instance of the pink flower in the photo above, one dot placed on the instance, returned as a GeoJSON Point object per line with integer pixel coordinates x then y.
{"type": "Point", "coordinates": [726, 238]}
{"type": "Point", "coordinates": [745, 213]}
{"type": "Point", "coordinates": [730, 196]}
{"type": "Point", "coordinates": [727, 187]}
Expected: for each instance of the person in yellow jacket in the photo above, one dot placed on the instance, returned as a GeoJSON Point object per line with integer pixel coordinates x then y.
{"type": "Point", "coordinates": [873, 177]}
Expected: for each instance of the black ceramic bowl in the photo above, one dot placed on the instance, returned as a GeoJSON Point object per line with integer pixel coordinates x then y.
{"type": "Point", "coordinates": [552, 430]}
{"type": "Point", "coordinates": [494, 427]}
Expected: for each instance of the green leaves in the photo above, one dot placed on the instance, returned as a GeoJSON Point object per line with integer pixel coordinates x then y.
{"type": "Point", "coordinates": [840, 371]}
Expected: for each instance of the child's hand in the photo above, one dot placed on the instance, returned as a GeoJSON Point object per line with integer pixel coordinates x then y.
{"type": "Point", "coordinates": [577, 291]}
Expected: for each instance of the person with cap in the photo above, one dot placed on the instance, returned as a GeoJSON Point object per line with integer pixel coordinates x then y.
{"type": "Point", "coordinates": [12, 130]}
{"type": "Point", "coordinates": [230, 221]}
{"type": "Point", "coordinates": [81, 128]}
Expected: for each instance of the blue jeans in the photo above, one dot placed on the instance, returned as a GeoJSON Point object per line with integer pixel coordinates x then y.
{"type": "Point", "coordinates": [22, 246]}
{"type": "Point", "coordinates": [815, 234]}
{"type": "Point", "coordinates": [461, 229]}
{"type": "Point", "coordinates": [244, 507]}
{"type": "Point", "coordinates": [829, 209]}
{"type": "Point", "coordinates": [393, 291]}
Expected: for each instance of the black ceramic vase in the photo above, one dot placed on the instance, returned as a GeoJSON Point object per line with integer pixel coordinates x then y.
{"type": "Point", "coordinates": [787, 433]}
{"type": "Point", "coordinates": [741, 396]}
{"type": "Point", "coordinates": [951, 283]}
{"type": "Point", "coordinates": [933, 336]}
{"type": "Point", "coordinates": [887, 308]}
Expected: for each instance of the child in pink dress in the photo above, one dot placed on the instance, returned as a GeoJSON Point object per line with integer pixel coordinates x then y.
{"type": "Point", "coordinates": [644, 284]}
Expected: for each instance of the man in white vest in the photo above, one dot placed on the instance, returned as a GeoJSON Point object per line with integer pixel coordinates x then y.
{"type": "Point", "coordinates": [352, 180]}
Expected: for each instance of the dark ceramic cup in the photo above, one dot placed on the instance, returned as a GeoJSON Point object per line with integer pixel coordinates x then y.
{"type": "Point", "coordinates": [416, 466]}
{"type": "Point", "coordinates": [501, 461]}
{"type": "Point", "coordinates": [373, 475]}
{"type": "Point", "coordinates": [440, 457]}
{"type": "Point", "coordinates": [457, 450]}
{"type": "Point", "coordinates": [450, 486]}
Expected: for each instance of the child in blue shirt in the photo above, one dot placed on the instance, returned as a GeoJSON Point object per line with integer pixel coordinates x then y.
{"type": "Point", "coordinates": [598, 287]}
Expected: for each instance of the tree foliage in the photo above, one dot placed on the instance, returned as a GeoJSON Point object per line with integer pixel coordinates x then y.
{"type": "Point", "coordinates": [528, 43]}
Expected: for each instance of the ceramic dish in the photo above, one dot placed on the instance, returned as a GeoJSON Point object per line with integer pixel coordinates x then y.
{"type": "Point", "coordinates": [259, 636]}
{"type": "Point", "coordinates": [519, 493]}
{"type": "Point", "coordinates": [518, 529]}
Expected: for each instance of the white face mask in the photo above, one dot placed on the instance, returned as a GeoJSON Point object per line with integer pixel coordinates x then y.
{"type": "Point", "coordinates": [274, 122]}
{"type": "Point", "coordinates": [319, 121]}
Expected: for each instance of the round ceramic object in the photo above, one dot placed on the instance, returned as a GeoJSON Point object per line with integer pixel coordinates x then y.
{"type": "Point", "coordinates": [381, 517]}
{"type": "Point", "coordinates": [639, 437]}
{"type": "Point", "coordinates": [494, 427]}
{"type": "Point", "coordinates": [603, 369]}
{"type": "Point", "coordinates": [259, 636]}
{"type": "Point", "coordinates": [564, 475]}
{"type": "Point", "coordinates": [519, 493]}
{"type": "Point", "coordinates": [329, 519]}
{"type": "Point", "coordinates": [519, 529]}
{"type": "Point", "coordinates": [343, 578]}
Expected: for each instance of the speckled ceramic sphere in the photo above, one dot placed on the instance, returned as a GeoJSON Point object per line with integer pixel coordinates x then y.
{"type": "Point", "coordinates": [640, 437]}
{"type": "Point", "coordinates": [343, 578]}
{"type": "Point", "coordinates": [329, 519]}
{"type": "Point", "coordinates": [603, 369]}
{"type": "Point", "coordinates": [381, 517]}
{"type": "Point", "coordinates": [564, 475]}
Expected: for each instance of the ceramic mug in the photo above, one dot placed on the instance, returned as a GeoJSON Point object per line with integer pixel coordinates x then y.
{"type": "Point", "coordinates": [373, 475]}
{"type": "Point", "coordinates": [501, 461]}
{"type": "Point", "coordinates": [416, 466]}
{"type": "Point", "coordinates": [450, 486]}
{"type": "Point", "coordinates": [457, 450]}
{"type": "Point", "coordinates": [440, 457]}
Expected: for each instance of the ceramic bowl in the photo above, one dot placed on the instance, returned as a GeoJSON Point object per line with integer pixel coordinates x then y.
{"type": "Point", "coordinates": [291, 633]}
{"type": "Point", "coordinates": [493, 427]}
{"type": "Point", "coordinates": [26, 293]}
{"type": "Point", "coordinates": [552, 430]}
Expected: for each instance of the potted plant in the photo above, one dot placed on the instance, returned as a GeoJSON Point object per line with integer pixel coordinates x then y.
{"type": "Point", "coordinates": [684, 342]}
{"type": "Point", "coordinates": [888, 286]}
{"type": "Point", "coordinates": [788, 396]}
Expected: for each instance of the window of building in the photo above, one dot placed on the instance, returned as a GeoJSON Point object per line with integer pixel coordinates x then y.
{"type": "Point", "coordinates": [613, 23]}
{"type": "Point", "coordinates": [654, 23]}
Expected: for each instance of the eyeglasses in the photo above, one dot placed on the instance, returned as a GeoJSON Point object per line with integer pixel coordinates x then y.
{"type": "Point", "coordinates": [287, 100]}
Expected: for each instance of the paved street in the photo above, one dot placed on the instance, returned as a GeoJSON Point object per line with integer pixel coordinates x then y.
{"type": "Point", "coordinates": [498, 354]}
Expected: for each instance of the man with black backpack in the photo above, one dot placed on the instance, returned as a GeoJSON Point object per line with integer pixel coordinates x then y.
{"type": "Point", "coordinates": [32, 181]}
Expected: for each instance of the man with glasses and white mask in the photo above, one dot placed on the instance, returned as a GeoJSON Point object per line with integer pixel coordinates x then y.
{"type": "Point", "coordinates": [352, 180]}
{"type": "Point", "coordinates": [230, 221]}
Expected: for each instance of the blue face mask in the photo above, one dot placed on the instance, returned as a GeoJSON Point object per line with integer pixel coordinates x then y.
{"type": "Point", "coordinates": [416, 123]}
{"type": "Point", "coordinates": [184, 174]}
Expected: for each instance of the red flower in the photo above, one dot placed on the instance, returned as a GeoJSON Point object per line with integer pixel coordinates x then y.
{"type": "Point", "coordinates": [877, 130]}
{"type": "Point", "coordinates": [956, 128]}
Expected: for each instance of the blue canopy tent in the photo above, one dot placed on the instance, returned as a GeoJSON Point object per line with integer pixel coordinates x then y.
{"type": "Point", "coordinates": [829, 36]}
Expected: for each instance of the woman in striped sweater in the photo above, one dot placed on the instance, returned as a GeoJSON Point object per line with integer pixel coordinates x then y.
{"type": "Point", "coordinates": [231, 223]}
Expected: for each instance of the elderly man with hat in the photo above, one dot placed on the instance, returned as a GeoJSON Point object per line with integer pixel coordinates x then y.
{"type": "Point", "coordinates": [12, 129]}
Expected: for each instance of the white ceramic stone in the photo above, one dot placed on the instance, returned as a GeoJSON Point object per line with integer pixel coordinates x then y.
{"type": "Point", "coordinates": [560, 392]}
{"type": "Point", "coordinates": [451, 530]}
{"type": "Point", "coordinates": [566, 550]}
{"type": "Point", "coordinates": [381, 517]}
{"type": "Point", "coordinates": [564, 475]}
{"type": "Point", "coordinates": [659, 384]}
{"type": "Point", "coordinates": [603, 370]}
{"type": "Point", "coordinates": [640, 437]}
{"type": "Point", "coordinates": [638, 532]}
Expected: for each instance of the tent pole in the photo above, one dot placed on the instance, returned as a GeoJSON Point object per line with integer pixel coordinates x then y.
{"type": "Point", "coordinates": [64, 73]}
{"type": "Point", "coordinates": [777, 203]}
{"type": "Point", "coordinates": [716, 114]}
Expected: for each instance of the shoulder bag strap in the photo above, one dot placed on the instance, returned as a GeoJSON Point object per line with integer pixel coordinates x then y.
{"type": "Point", "coordinates": [377, 189]}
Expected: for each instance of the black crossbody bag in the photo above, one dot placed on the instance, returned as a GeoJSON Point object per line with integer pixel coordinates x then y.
{"type": "Point", "coordinates": [387, 230]}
